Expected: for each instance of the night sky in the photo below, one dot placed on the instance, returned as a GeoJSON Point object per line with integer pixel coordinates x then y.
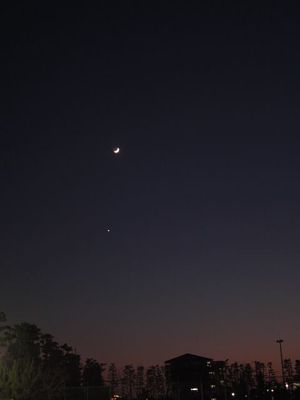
{"type": "Point", "coordinates": [203, 201]}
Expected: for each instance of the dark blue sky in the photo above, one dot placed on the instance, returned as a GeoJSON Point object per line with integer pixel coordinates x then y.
{"type": "Point", "coordinates": [202, 202]}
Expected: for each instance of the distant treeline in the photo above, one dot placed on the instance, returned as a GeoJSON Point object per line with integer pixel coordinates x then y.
{"type": "Point", "coordinates": [33, 366]}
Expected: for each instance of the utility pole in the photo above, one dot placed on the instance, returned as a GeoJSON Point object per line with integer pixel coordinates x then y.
{"type": "Point", "coordinates": [280, 341]}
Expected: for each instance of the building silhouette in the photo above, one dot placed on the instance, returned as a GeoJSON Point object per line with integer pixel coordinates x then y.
{"type": "Point", "coordinates": [192, 377]}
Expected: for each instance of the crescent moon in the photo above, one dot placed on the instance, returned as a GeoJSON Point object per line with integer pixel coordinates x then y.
{"type": "Point", "coordinates": [116, 150]}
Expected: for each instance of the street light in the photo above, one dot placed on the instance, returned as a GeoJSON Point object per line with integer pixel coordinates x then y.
{"type": "Point", "coordinates": [280, 341]}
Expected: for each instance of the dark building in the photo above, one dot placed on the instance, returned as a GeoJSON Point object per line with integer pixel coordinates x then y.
{"type": "Point", "coordinates": [191, 377]}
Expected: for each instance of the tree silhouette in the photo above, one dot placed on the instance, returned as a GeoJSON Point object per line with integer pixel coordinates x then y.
{"type": "Point", "coordinates": [140, 382]}
{"type": "Point", "coordinates": [21, 380]}
{"type": "Point", "coordinates": [128, 382]}
{"type": "Point", "coordinates": [23, 342]}
{"type": "Point", "coordinates": [246, 379]}
{"type": "Point", "coordinates": [92, 373]}
{"type": "Point", "coordinates": [112, 377]}
{"type": "Point", "coordinates": [34, 366]}
{"type": "Point", "coordinates": [297, 370]}
{"type": "Point", "coordinates": [271, 376]}
{"type": "Point", "coordinates": [260, 377]}
{"type": "Point", "coordinates": [156, 386]}
{"type": "Point", "coordinates": [288, 370]}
